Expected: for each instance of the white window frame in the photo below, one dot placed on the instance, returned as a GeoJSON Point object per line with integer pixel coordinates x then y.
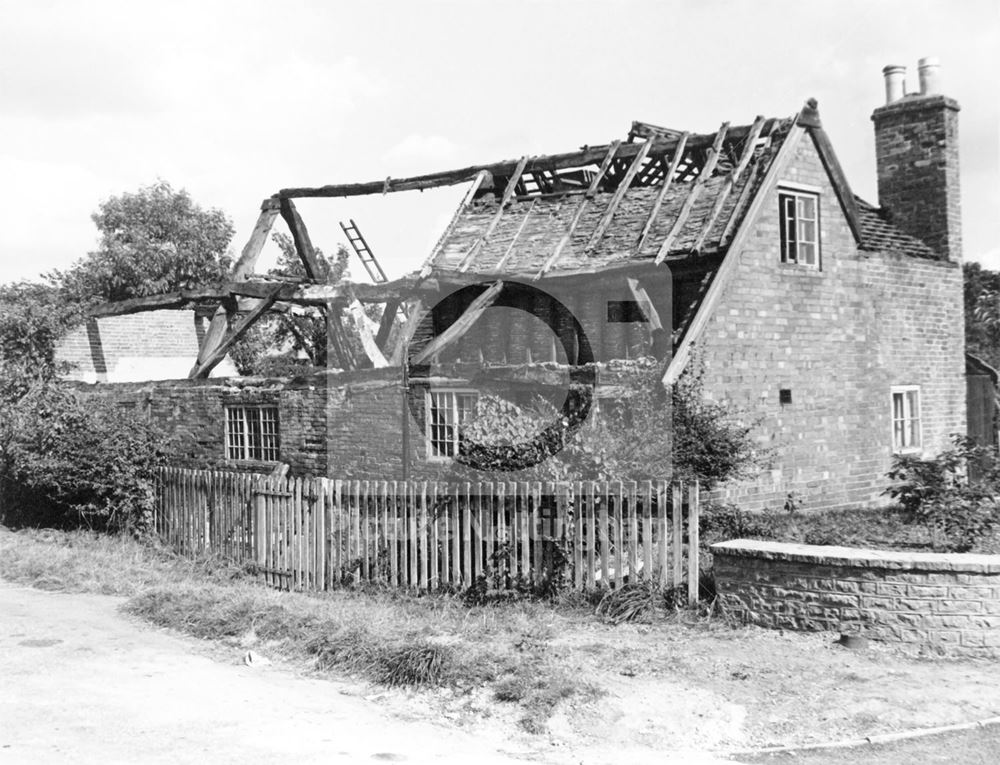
{"type": "Point", "coordinates": [900, 445]}
{"type": "Point", "coordinates": [252, 433]}
{"type": "Point", "coordinates": [433, 453]}
{"type": "Point", "coordinates": [793, 225]}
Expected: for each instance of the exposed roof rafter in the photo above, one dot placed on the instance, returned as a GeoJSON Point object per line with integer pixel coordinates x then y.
{"type": "Point", "coordinates": [692, 197]}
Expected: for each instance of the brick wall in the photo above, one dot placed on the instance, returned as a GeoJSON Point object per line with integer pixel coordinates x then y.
{"type": "Point", "coordinates": [942, 602]}
{"type": "Point", "coordinates": [192, 413]}
{"type": "Point", "coordinates": [838, 338]}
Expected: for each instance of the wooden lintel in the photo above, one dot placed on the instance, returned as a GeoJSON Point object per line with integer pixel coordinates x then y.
{"type": "Point", "coordinates": [734, 176]}
{"type": "Point", "coordinates": [581, 207]}
{"type": "Point", "coordinates": [662, 193]}
{"type": "Point", "coordinates": [619, 194]}
{"type": "Point", "coordinates": [588, 155]}
{"type": "Point", "coordinates": [315, 269]}
{"type": "Point", "coordinates": [706, 172]}
{"type": "Point", "coordinates": [219, 353]}
{"type": "Point", "coordinates": [461, 325]}
{"type": "Point", "coordinates": [508, 192]}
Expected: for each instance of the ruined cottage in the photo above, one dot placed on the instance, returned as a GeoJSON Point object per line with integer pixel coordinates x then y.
{"type": "Point", "coordinates": [837, 324]}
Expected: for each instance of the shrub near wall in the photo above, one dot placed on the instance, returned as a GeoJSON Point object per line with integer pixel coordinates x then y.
{"type": "Point", "coordinates": [938, 602]}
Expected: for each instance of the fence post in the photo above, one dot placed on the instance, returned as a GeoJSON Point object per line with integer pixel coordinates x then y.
{"type": "Point", "coordinates": [693, 542]}
{"type": "Point", "coordinates": [258, 522]}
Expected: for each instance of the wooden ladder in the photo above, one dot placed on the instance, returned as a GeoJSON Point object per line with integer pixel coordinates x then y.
{"type": "Point", "coordinates": [364, 252]}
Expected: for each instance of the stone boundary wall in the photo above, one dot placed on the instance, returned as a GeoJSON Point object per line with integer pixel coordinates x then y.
{"type": "Point", "coordinates": [936, 602]}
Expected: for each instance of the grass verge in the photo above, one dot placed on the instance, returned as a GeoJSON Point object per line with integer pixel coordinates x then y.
{"type": "Point", "coordinates": [381, 636]}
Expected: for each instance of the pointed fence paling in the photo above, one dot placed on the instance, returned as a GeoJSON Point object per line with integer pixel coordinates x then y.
{"type": "Point", "coordinates": [320, 533]}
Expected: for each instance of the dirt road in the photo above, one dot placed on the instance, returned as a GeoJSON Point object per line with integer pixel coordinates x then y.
{"type": "Point", "coordinates": [81, 683]}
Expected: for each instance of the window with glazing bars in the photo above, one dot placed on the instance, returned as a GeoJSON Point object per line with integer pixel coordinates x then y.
{"type": "Point", "coordinates": [799, 228]}
{"type": "Point", "coordinates": [252, 433]}
{"type": "Point", "coordinates": [906, 418]}
{"type": "Point", "coordinates": [446, 411]}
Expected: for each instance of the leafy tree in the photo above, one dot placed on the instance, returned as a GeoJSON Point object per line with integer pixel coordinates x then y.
{"type": "Point", "coordinates": [982, 312]}
{"type": "Point", "coordinates": [32, 318]}
{"type": "Point", "coordinates": [153, 240]}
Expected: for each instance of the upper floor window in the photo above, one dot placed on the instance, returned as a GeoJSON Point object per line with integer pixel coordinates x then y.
{"type": "Point", "coordinates": [799, 227]}
{"type": "Point", "coordinates": [906, 436]}
{"type": "Point", "coordinates": [252, 432]}
{"type": "Point", "coordinates": [446, 411]}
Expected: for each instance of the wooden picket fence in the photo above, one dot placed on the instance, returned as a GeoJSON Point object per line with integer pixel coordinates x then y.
{"type": "Point", "coordinates": [319, 533]}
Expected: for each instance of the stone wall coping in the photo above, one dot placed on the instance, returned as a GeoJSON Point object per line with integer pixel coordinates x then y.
{"type": "Point", "coordinates": [859, 557]}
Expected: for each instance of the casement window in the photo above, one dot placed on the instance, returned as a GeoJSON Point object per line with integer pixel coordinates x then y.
{"type": "Point", "coordinates": [446, 411]}
{"type": "Point", "coordinates": [799, 227]}
{"type": "Point", "coordinates": [252, 432]}
{"type": "Point", "coordinates": [906, 435]}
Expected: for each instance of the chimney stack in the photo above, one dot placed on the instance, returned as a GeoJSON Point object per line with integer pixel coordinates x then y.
{"type": "Point", "coordinates": [916, 151]}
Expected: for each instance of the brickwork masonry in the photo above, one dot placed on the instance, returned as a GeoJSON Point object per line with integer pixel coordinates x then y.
{"type": "Point", "coordinates": [928, 602]}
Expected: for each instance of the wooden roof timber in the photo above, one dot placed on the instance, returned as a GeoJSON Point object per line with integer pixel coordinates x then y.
{"type": "Point", "coordinates": [244, 266]}
{"type": "Point", "coordinates": [748, 149]}
{"type": "Point", "coordinates": [219, 352]}
{"type": "Point", "coordinates": [504, 201]}
{"type": "Point", "coordinates": [589, 155]}
{"type": "Point", "coordinates": [649, 130]}
{"type": "Point", "coordinates": [482, 179]}
{"type": "Point", "coordinates": [668, 179]}
{"type": "Point", "coordinates": [288, 292]}
{"type": "Point", "coordinates": [619, 194]}
{"type": "Point", "coordinates": [578, 215]}
{"type": "Point", "coordinates": [461, 325]}
{"type": "Point", "coordinates": [692, 197]}
{"type": "Point", "coordinates": [315, 268]}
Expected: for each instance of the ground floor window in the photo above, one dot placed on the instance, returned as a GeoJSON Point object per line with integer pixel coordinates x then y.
{"type": "Point", "coordinates": [906, 434]}
{"type": "Point", "coordinates": [446, 411]}
{"type": "Point", "coordinates": [252, 432]}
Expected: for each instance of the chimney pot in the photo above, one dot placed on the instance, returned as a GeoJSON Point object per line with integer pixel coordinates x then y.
{"type": "Point", "coordinates": [930, 72]}
{"type": "Point", "coordinates": [895, 82]}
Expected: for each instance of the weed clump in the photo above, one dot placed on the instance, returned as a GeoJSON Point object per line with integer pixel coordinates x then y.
{"type": "Point", "coordinates": [629, 603]}
{"type": "Point", "coordinates": [419, 664]}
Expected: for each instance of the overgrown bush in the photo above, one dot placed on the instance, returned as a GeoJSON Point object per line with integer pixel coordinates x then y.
{"type": "Point", "coordinates": [640, 432]}
{"type": "Point", "coordinates": [713, 442]}
{"type": "Point", "coordinates": [936, 492]}
{"type": "Point", "coordinates": [66, 460]}
{"type": "Point", "coordinates": [721, 522]}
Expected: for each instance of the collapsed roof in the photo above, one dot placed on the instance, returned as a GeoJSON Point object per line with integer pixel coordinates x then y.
{"type": "Point", "coordinates": [658, 196]}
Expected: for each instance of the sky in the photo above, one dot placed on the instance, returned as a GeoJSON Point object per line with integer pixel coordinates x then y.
{"type": "Point", "coordinates": [235, 100]}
